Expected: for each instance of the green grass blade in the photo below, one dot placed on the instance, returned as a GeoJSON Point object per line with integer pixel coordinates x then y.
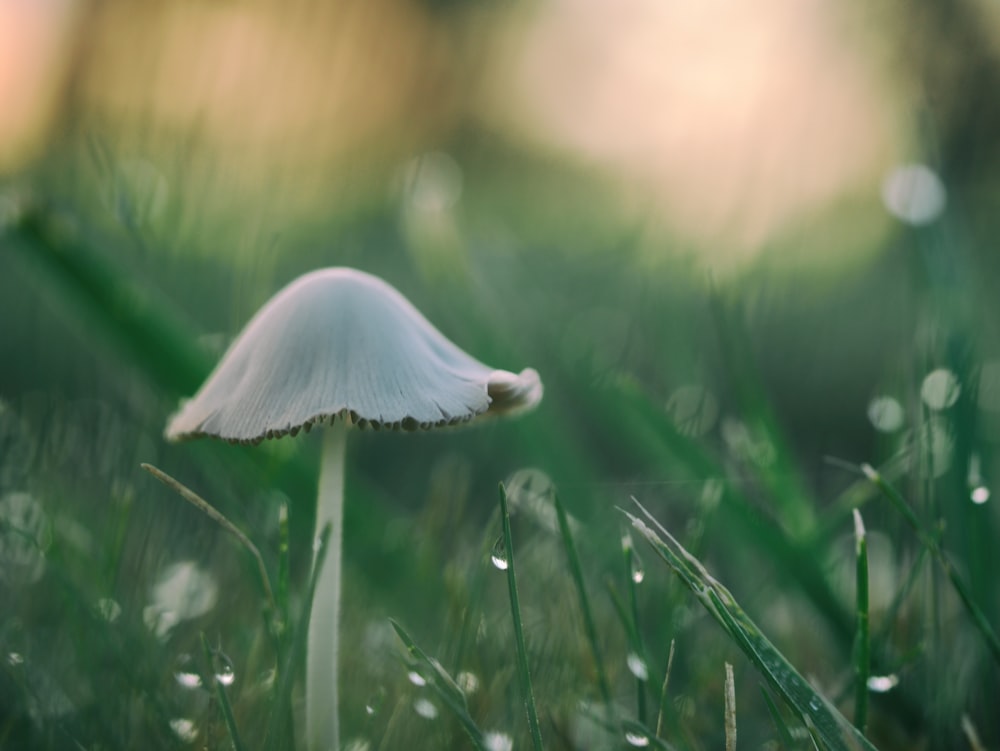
{"type": "Point", "coordinates": [280, 730]}
{"type": "Point", "coordinates": [638, 647]}
{"type": "Point", "coordinates": [784, 734]}
{"type": "Point", "coordinates": [663, 692]}
{"type": "Point", "coordinates": [515, 609]}
{"type": "Point", "coordinates": [816, 712]}
{"type": "Point", "coordinates": [862, 644]}
{"type": "Point", "coordinates": [928, 541]}
{"type": "Point", "coordinates": [223, 699]}
{"type": "Point", "coordinates": [219, 518]}
{"type": "Point", "coordinates": [576, 571]}
{"type": "Point", "coordinates": [444, 686]}
{"type": "Point", "coordinates": [730, 709]}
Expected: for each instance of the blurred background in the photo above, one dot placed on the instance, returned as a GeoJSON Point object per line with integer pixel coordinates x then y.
{"type": "Point", "coordinates": [747, 248]}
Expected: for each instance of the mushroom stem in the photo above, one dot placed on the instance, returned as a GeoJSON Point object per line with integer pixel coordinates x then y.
{"type": "Point", "coordinates": [321, 660]}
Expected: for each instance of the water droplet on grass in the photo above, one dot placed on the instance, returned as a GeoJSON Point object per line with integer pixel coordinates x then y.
{"type": "Point", "coordinates": [416, 679]}
{"type": "Point", "coordinates": [226, 676]}
{"type": "Point", "coordinates": [980, 495]}
{"type": "Point", "coordinates": [499, 555]}
{"type": "Point", "coordinates": [187, 680]}
{"type": "Point", "coordinates": [637, 666]}
{"type": "Point", "coordinates": [108, 609]}
{"type": "Point", "coordinates": [184, 729]}
{"type": "Point", "coordinates": [467, 681]}
{"type": "Point", "coordinates": [636, 570]}
{"type": "Point", "coordinates": [880, 684]}
{"type": "Point", "coordinates": [426, 709]}
{"type": "Point", "coordinates": [638, 740]}
{"type": "Point", "coordinates": [497, 741]}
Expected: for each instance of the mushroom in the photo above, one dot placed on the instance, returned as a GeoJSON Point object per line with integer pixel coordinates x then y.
{"type": "Point", "coordinates": [342, 348]}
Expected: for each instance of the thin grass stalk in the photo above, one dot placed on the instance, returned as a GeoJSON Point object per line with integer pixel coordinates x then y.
{"type": "Point", "coordinates": [638, 647]}
{"type": "Point", "coordinates": [928, 541]}
{"type": "Point", "coordinates": [212, 513]}
{"type": "Point", "coordinates": [446, 688]}
{"type": "Point", "coordinates": [515, 610]}
{"type": "Point", "coordinates": [576, 571]}
{"type": "Point", "coordinates": [280, 733]}
{"type": "Point", "coordinates": [730, 709]}
{"type": "Point", "coordinates": [784, 734]}
{"type": "Point", "coordinates": [663, 692]}
{"type": "Point", "coordinates": [862, 644]}
{"type": "Point", "coordinates": [222, 698]}
{"type": "Point", "coordinates": [818, 714]}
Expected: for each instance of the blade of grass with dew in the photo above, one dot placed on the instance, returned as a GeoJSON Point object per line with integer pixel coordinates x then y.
{"type": "Point", "coordinates": [445, 687]}
{"type": "Point", "coordinates": [928, 541]}
{"type": "Point", "coordinates": [641, 673]}
{"type": "Point", "coordinates": [816, 712]}
{"type": "Point", "coordinates": [862, 644]}
{"type": "Point", "coordinates": [576, 572]}
{"type": "Point", "coordinates": [515, 609]}
{"type": "Point", "coordinates": [652, 435]}
{"type": "Point", "coordinates": [280, 732]}
{"type": "Point", "coordinates": [222, 698]}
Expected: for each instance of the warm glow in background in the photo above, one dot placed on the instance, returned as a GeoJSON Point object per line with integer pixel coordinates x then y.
{"type": "Point", "coordinates": [725, 125]}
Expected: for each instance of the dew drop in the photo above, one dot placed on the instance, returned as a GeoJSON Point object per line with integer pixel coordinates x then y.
{"type": "Point", "coordinates": [880, 684]}
{"type": "Point", "coordinates": [426, 709]}
{"type": "Point", "coordinates": [416, 679]}
{"type": "Point", "coordinates": [108, 609]}
{"type": "Point", "coordinates": [637, 666]}
{"type": "Point", "coordinates": [226, 676]}
{"type": "Point", "coordinates": [638, 573]}
{"type": "Point", "coordinates": [497, 741]}
{"type": "Point", "coordinates": [980, 495]}
{"type": "Point", "coordinates": [499, 555]}
{"type": "Point", "coordinates": [184, 729]}
{"type": "Point", "coordinates": [187, 680]}
{"type": "Point", "coordinates": [467, 681]}
{"type": "Point", "coordinates": [637, 740]}
{"type": "Point", "coordinates": [185, 674]}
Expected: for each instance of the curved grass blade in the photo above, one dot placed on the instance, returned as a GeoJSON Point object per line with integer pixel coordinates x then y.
{"type": "Point", "coordinates": [834, 731]}
{"type": "Point", "coordinates": [515, 609]}
{"type": "Point", "coordinates": [212, 513]}
{"type": "Point", "coordinates": [445, 687]}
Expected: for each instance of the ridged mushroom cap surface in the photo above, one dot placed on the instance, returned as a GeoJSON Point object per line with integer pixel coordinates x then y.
{"type": "Point", "coordinates": [340, 342]}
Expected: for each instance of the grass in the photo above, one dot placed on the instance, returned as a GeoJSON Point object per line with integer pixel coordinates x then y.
{"type": "Point", "coordinates": [739, 581]}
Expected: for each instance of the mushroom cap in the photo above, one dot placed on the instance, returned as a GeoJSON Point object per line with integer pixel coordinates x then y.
{"type": "Point", "coordinates": [340, 342]}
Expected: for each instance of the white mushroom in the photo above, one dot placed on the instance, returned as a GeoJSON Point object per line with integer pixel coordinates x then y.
{"type": "Point", "coordinates": [339, 343]}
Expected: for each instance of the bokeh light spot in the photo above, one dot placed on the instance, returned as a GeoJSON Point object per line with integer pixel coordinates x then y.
{"type": "Point", "coordinates": [914, 194]}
